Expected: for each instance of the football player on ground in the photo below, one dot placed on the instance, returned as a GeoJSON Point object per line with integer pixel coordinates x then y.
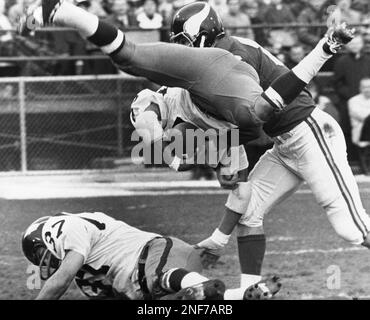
{"type": "Point", "coordinates": [309, 146]}
{"type": "Point", "coordinates": [108, 259]}
{"type": "Point", "coordinates": [227, 88]}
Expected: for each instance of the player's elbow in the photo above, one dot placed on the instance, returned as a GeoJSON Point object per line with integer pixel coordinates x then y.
{"type": "Point", "coordinates": [263, 109]}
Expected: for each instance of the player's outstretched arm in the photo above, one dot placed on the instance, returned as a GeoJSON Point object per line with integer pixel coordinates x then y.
{"type": "Point", "coordinates": [60, 281]}
{"type": "Point", "coordinates": [288, 86]}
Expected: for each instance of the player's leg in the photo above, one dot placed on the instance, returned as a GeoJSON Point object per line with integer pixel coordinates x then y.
{"type": "Point", "coordinates": [325, 167]}
{"type": "Point", "coordinates": [173, 265]}
{"type": "Point", "coordinates": [222, 85]}
{"type": "Point", "coordinates": [226, 87]}
{"type": "Point", "coordinates": [288, 86]}
{"type": "Point", "coordinates": [173, 271]}
{"type": "Point", "coordinates": [201, 71]}
{"type": "Point", "coordinates": [269, 184]}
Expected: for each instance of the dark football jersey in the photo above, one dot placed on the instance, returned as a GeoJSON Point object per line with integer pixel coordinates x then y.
{"type": "Point", "coordinates": [269, 68]}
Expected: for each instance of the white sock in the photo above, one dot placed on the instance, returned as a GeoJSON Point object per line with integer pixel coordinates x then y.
{"type": "Point", "coordinates": [247, 280]}
{"type": "Point", "coordinates": [234, 294]}
{"type": "Point", "coordinates": [192, 279]}
{"type": "Point", "coordinates": [68, 15]}
{"type": "Point", "coordinates": [308, 68]}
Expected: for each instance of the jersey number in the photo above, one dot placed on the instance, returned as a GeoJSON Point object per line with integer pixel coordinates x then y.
{"type": "Point", "coordinates": [49, 239]}
{"type": "Point", "coordinates": [48, 236]}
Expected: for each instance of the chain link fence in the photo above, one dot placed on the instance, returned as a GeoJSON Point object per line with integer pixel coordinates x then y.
{"type": "Point", "coordinates": [65, 123]}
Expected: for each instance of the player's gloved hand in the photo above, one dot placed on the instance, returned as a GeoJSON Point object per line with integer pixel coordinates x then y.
{"type": "Point", "coordinates": [215, 244]}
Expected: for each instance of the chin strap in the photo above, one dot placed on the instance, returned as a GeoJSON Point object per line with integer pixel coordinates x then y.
{"type": "Point", "coordinates": [46, 264]}
{"type": "Point", "coordinates": [202, 41]}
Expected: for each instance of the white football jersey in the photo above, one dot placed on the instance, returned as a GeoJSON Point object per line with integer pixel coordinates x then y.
{"type": "Point", "coordinates": [177, 103]}
{"type": "Point", "coordinates": [110, 248]}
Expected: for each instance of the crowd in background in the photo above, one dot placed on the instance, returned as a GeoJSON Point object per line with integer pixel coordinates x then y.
{"type": "Point", "coordinates": [349, 103]}
{"type": "Point", "coordinates": [289, 44]}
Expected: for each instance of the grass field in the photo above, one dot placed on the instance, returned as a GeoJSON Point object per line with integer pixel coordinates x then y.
{"type": "Point", "coordinates": [301, 244]}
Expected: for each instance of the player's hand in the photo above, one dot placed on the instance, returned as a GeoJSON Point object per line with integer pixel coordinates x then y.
{"type": "Point", "coordinates": [215, 244]}
{"type": "Point", "coordinates": [209, 260]}
{"type": "Point", "coordinates": [230, 182]}
{"type": "Point", "coordinates": [211, 246]}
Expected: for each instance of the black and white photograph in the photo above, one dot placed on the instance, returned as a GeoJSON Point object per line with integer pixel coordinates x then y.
{"type": "Point", "coordinates": [172, 151]}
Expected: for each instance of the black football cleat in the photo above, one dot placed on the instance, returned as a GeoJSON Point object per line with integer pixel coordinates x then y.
{"type": "Point", "coordinates": [49, 8]}
{"type": "Point", "coordinates": [25, 25]}
{"type": "Point", "coordinates": [263, 290]}
{"type": "Point", "coordinates": [337, 37]}
{"type": "Point", "coordinates": [29, 23]}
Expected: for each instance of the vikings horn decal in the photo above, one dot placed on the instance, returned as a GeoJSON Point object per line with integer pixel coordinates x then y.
{"type": "Point", "coordinates": [192, 25]}
{"type": "Point", "coordinates": [33, 227]}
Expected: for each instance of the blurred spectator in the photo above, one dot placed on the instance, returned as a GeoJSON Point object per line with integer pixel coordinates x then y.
{"type": "Point", "coordinates": [17, 10]}
{"type": "Point", "coordinates": [344, 13]}
{"type": "Point", "coordinates": [149, 18]}
{"type": "Point", "coordinates": [4, 25]}
{"type": "Point", "coordinates": [121, 16]}
{"type": "Point", "coordinates": [366, 29]}
{"type": "Point", "coordinates": [177, 4]}
{"type": "Point", "coordinates": [296, 54]}
{"type": "Point", "coordinates": [323, 102]}
{"type": "Point", "coordinates": [65, 44]}
{"type": "Point", "coordinates": [165, 9]}
{"type": "Point", "coordinates": [359, 110]}
{"type": "Point", "coordinates": [136, 5]}
{"type": "Point", "coordinates": [277, 12]}
{"type": "Point", "coordinates": [107, 6]}
{"type": "Point", "coordinates": [252, 9]}
{"type": "Point", "coordinates": [311, 14]}
{"type": "Point", "coordinates": [7, 69]}
{"type": "Point", "coordinates": [235, 18]}
{"type": "Point", "coordinates": [220, 6]}
{"type": "Point", "coordinates": [361, 5]}
{"type": "Point", "coordinates": [93, 6]}
{"type": "Point", "coordinates": [348, 71]}
{"type": "Point", "coordinates": [297, 6]}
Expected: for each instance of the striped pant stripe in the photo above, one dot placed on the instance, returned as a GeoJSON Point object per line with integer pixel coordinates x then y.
{"type": "Point", "coordinates": [315, 128]}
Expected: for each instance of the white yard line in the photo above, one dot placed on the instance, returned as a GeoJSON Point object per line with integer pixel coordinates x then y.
{"type": "Point", "coordinates": [116, 189]}
{"type": "Point", "coordinates": [316, 250]}
{"type": "Point", "coordinates": [340, 296]}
